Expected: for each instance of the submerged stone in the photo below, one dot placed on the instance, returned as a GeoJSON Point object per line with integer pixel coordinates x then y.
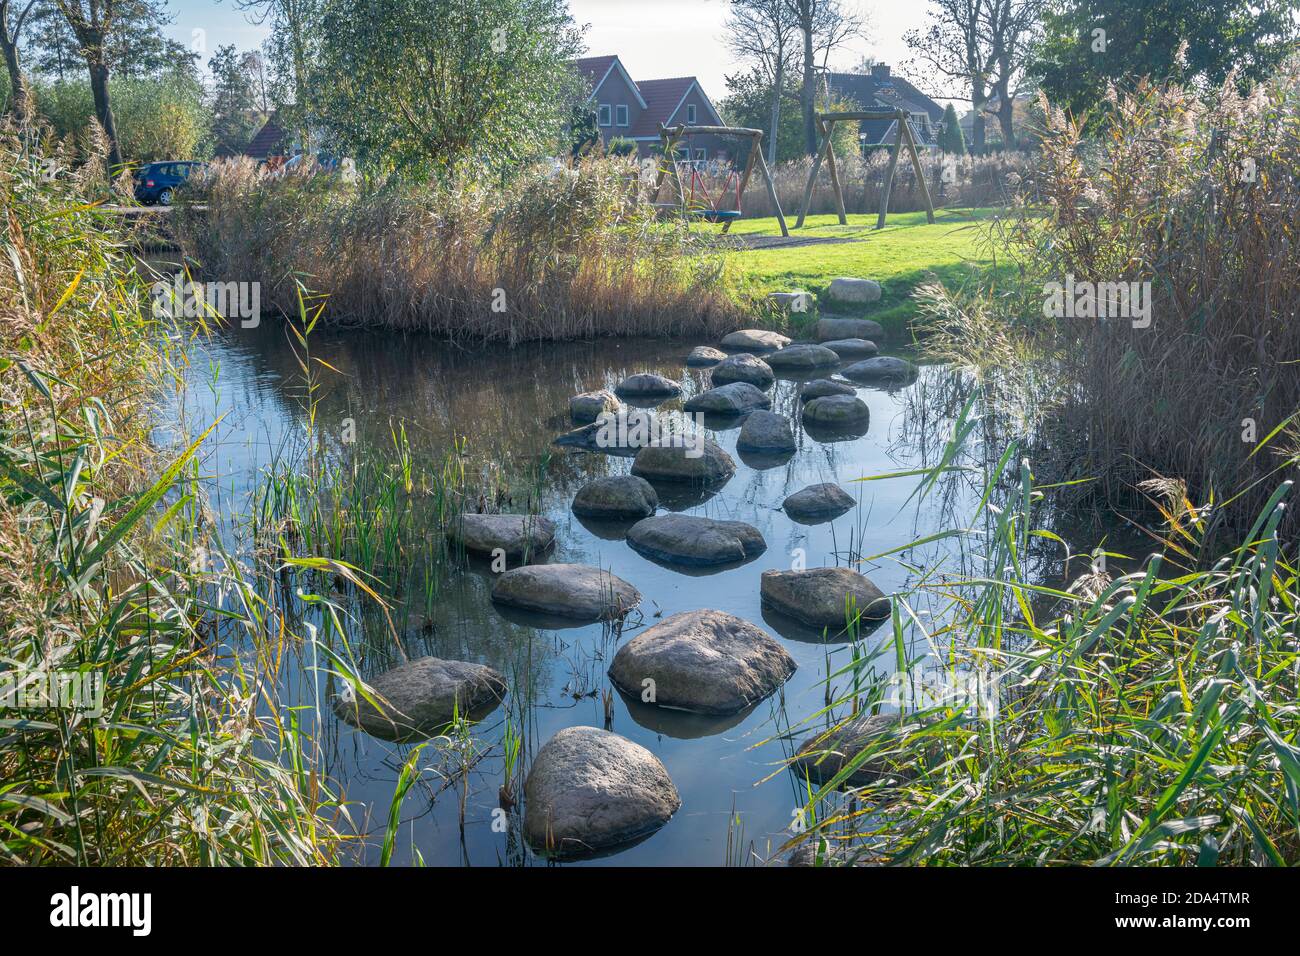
{"type": "Point", "coordinates": [620, 497]}
{"type": "Point", "coordinates": [621, 433]}
{"type": "Point", "coordinates": [648, 385]}
{"type": "Point", "coordinates": [802, 356]}
{"type": "Point", "coordinates": [577, 591]}
{"type": "Point", "coordinates": [695, 541]}
{"type": "Point", "coordinates": [588, 406]}
{"type": "Point", "coordinates": [735, 398]}
{"type": "Point", "coordinates": [755, 340]}
{"type": "Point", "coordinates": [884, 369]}
{"type": "Point", "coordinates": [706, 662]}
{"type": "Point", "coordinates": [514, 535]}
{"type": "Point", "coordinates": [766, 431]}
{"type": "Point", "coordinates": [852, 348]}
{"type": "Point", "coordinates": [818, 503]}
{"type": "Point", "coordinates": [824, 755]}
{"type": "Point", "coordinates": [704, 355]}
{"type": "Point", "coordinates": [821, 387]}
{"type": "Point", "coordinates": [743, 367]}
{"type": "Point", "coordinates": [419, 698]}
{"type": "Point", "coordinates": [837, 410]}
{"type": "Point", "coordinates": [590, 790]}
{"type": "Point", "coordinates": [823, 597]}
{"type": "Point", "coordinates": [700, 460]}
{"type": "Point", "coordinates": [828, 330]}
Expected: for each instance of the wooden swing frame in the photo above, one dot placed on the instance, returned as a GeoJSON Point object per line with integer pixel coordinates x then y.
{"type": "Point", "coordinates": [669, 136]}
{"type": "Point", "coordinates": [826, 126]}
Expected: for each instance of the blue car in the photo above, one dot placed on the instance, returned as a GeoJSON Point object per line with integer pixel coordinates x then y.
{"type": "Point", "coordinates": [158, 182]}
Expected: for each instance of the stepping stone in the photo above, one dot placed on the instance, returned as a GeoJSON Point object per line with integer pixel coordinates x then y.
{"type": "Point", "coordinates": [706, 662]}
{"type": "Point", "coordinates": [755, 340]}
{"type": "Point", "coordinates": [802, 357]}
{"type": "Point", "coordinates": [828, 330]}
{"type": "Point", "coordinates": [703, 355]}
{"type": "Point", "coordinates": [648, 385]}
{"type": "Point", "coordinates": [821, 387]}
{"type": "Point", "coordinates": [588, 406]}
{"type": "Point", "coordinates": [852, 348]}
{"type": "Point", "coordinates": [620, 433]}
{"type": "Point", "coordinates": [825, 754]}
{"type": "Point", "coordinates": [766, 431]}
{"type": "Point", "coordinates": [796, 300]}
{"type": "Point", "coordinates": [516, 535]}
{"type": "Point", "coordinates": [884, 369]}
{"type": "Point", "coordinates": [818, 503]}
{"type": "Point", "coordinates": [822, 597]}
{"type": "Point", "coordinates": [846, 289]}
{"type": "Point", "coordinates": [677, 461]}
{"type": "Point", "coordinates": [743, 368]}
{"type": "Point", "coordinates": [814, 852]}
{"type": "Point", "coordinates": [837, 410]}
{"type": "Point", "coordinates": [735, 398]}
{"type": "Point", "coordinates": [590, 790]}
{"type": "Point", "coordinates": [418, 699]}
{"type": "Point", "coordinates": [621, 497]}
{"type": "Point", "coordinates": [693, 541]}
{"type": "Point", "coordinates": [576, 591]}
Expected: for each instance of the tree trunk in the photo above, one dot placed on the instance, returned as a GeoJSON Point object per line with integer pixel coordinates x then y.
{"type": "Point", "coordinates": [1006, 115]}
{"type": "Point", "coordinates": [104, 113]}
{"type": "Point", "coordinates": [809, 92]}
{"type": "Point", "coordinates": [978, 98]}
{"type": "Point", "coordinates": [776, 115]}
{"type": "Point", "coordinates": [18, 89]}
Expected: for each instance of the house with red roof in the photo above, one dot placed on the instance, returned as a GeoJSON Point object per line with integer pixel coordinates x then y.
{"type": "Point", "coordinates": [635, 109]}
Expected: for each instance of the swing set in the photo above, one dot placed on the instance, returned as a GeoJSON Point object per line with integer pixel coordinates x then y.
{"type": "Point", "coordinates": [698, 199]}
{"type": "Point", "coordinates": [903, 137]}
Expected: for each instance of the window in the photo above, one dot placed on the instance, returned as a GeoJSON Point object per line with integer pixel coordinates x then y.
{"type": "Point", "coordinates": [690, 113]}
{"type": "Point", "coordinates": [622, 114]}
{"type": "Point", "coordinates": [604, 114]}
{"type": "Point", "coordinates": [701, 154]}
{"type": "Point", "coordinates": [921, 121]}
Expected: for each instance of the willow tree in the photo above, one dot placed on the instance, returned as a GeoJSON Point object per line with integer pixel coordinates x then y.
{"type": "Point", "coordinates": [416, 87]}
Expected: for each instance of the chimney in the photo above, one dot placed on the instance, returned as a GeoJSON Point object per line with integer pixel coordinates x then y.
{"type": "Point", "coordinates": [880, 71]}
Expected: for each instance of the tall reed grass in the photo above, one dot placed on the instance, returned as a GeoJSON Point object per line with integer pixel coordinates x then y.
{"type": "Point", "coordinates": [1195, 194]}
{"type": "Point", "coordinates": [557, 253]}
{"type": "Point", "coordinates": [179, 753]}
{"type": "Point", "coordinates": [1140, 718]}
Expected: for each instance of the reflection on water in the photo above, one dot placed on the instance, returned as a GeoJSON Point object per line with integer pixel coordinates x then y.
{"type": "Point", "coordinates": [508, 405]}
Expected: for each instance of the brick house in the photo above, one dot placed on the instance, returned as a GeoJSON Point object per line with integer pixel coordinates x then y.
{"type": "Point", "coordinates": [634, 109]}
{"type": "Point", "coordinates": [879, 90]}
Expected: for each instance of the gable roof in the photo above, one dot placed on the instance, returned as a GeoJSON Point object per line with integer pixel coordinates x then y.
{"type": "Point", "coordinates": [269, 140]}
{"type": "Point", "coordinates": [663, 99]}
{"type": "Point", "coordinates": [871, 89]}
{"type": "Point", "coordinates": [596, 69]}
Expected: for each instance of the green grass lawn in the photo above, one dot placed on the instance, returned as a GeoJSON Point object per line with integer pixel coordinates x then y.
{"type": "Point", "coordinates": [899, 257]}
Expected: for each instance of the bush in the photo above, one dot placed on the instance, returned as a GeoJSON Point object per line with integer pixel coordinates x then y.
{"type": "Point", "coordinates": [107, 577]}
{"type": "Point", "coordinates": [563, 252]}
{"type": "Point", "coordinates": [157, 118]}
{"type": "Point", "coordinates": [1197, 197]}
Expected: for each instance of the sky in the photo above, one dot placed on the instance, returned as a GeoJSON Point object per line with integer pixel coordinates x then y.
{"type": "Point", "coordinates": [654, 38]}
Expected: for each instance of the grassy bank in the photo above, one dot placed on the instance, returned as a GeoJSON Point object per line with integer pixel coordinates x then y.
{"type": "Point", "coordinates": [905, 254]}
{"type": "Point", "coordinates": [172, 747]}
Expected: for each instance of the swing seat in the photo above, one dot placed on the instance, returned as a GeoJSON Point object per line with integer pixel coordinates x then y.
{"type": "Point", "coordinates": [716, 215]}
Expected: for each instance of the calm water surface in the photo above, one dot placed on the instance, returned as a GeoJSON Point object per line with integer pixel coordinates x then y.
{"type": "Point", "coordinates": [508, 405]}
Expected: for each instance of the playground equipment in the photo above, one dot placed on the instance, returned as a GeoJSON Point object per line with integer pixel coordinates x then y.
{"type": "Point", "coordinates": [698, 199]}
{"type": "Point", "coordinates": [826, 126]}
